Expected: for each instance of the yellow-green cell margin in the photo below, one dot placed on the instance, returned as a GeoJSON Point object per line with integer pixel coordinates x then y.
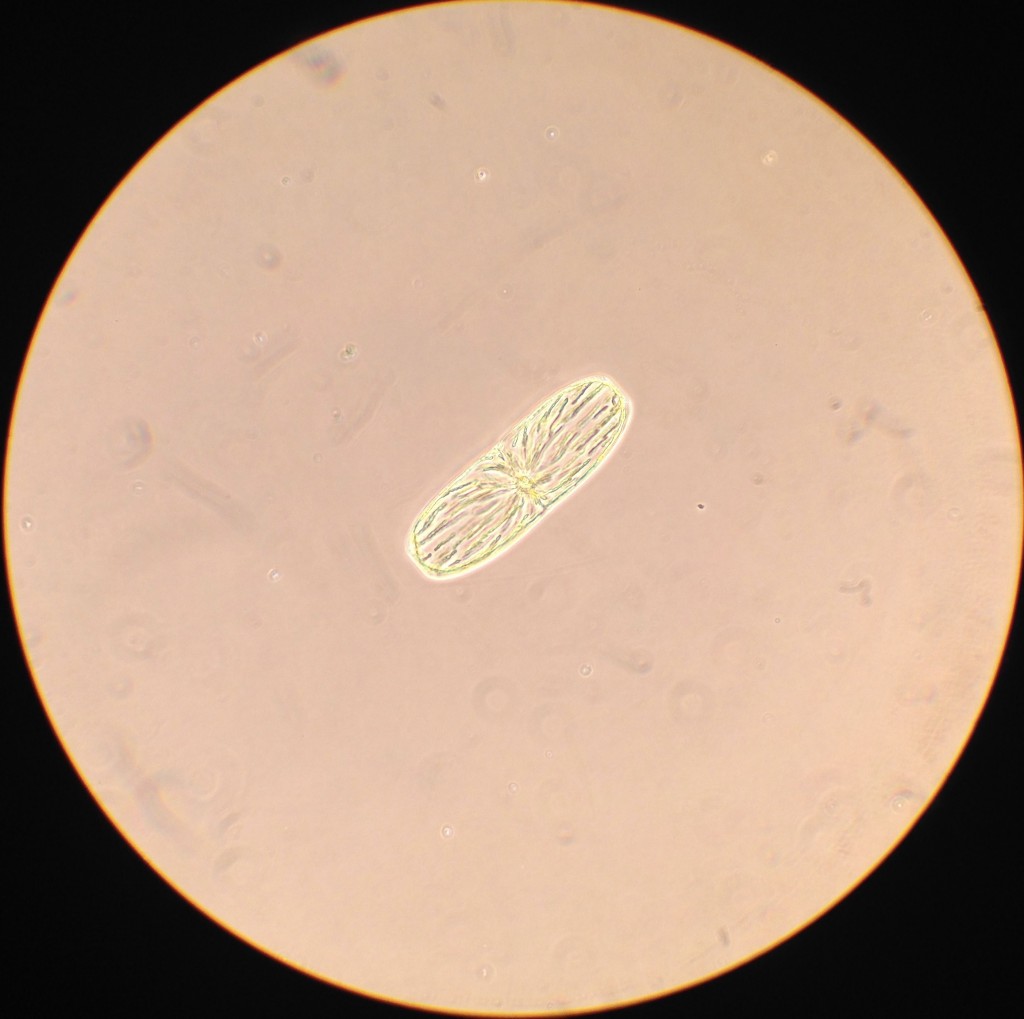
{"type": "Point", "coordinates": [503, 493]}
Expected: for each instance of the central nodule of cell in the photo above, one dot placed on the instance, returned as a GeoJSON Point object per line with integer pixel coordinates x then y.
{"type": "Point", "coordinates": [547, 456]}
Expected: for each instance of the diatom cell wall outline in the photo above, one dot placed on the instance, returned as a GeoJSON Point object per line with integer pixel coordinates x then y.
{"type": "Point", "coordinates": [540, 461]}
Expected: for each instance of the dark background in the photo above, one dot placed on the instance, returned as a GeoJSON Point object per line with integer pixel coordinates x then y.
{"type": "Point", "coordinates": [92, 88]}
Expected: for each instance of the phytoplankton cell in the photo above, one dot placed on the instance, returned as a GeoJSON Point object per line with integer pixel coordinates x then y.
{"type": "Point", "coordinates": [540, 461]}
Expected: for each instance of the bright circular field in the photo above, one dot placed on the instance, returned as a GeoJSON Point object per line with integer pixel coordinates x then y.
{"type": "Point", "coordinates": [517, 551]}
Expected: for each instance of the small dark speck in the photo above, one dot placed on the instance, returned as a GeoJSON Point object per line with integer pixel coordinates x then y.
{"type": "Point", "coordinates": [700, 505]}
{"type": "Point", "coordinates": [723, 936]}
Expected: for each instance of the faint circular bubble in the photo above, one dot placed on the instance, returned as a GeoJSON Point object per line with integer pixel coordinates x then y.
{"type": "Point", "coordinates": [136, 637]}
{"type": "Point", "coordinates": [690, 702]}
{"type": "Point", "coordinates": [105, 751]}
{"type": "Point", "coordinates": [273, 575]}
{"type": "Point", "coordinates": [267, 256]}
{"type": "Point", "coordinates": [66, 296]}
{"type": "Point", "coordinates": [672, 96]}
{"type": "Point", "coordinates": [835, 823]}
{"type": "Point", "coordinates": [637, 659]}
{"type": "Point", "coordinates": [551, 133]}
{"type": "Point", "coordinates": [433, 770]}
{"type": "Point", "coordinates": [203, 132]}
{"type": "Point", "coordinates": [323, 65]}
{"type": "Point", "coordinates": [204, 780]}
{"type": "Point", "coordinates": [239, 867]}
{"type": "Point", "coordinates": [447, 831]}
{"type": "Point", "coordinates": [697, 389]}
{"type": "Point", "coordinates": [27, 523]}
{"type": "Point", "coordinates": [903, 801]}
{"type": "Point", "coordinates": [912, 494]}
{"type": "Point", "coordinates": [120, 686]}
{"type": "Point", "coordinates": [494, 698]}
{"type": "Point", "coordinates": [733, 648]}
{"type": "Point", "coordinates": [546, 590]}
{"type": "Point", "coordinates": [348, 353]}
{"type": "Point", "coordinates": [836, 645]}
{"type": "Point", "coordinates": [558, 803]}
{"type": "Point", "coordinates": [230, 826]}
{"type": "Point", "coordinates": [973, 339]}
{"type": "Point", "coordinates": [482, 174]}
{"type": "Point", "coordinates": [586, 669]}
{"type": "Point", "coordinates": [551, 723]}
{"type": "Point", "coordinates": [846, 339]}
{"type": "Point", "coordinates": [573, 957]}
{"type": "Point", "coordinates": [608, 190]}
{"type": "Point", "coordinates": [250, 350]}
{"type": "Point", "coordinates": [919, 690]}
{"type": "Point", "coordinates": [565, 835]}
{"type": "Point", "coordinates": [129, 442]}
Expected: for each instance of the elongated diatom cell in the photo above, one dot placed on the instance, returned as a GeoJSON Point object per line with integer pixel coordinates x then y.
{"type": "Point", "coordinates": [502, 494]}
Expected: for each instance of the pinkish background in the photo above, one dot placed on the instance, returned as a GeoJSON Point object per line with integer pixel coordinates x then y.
{"type": "Point", "coordinates": [676, 721]}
